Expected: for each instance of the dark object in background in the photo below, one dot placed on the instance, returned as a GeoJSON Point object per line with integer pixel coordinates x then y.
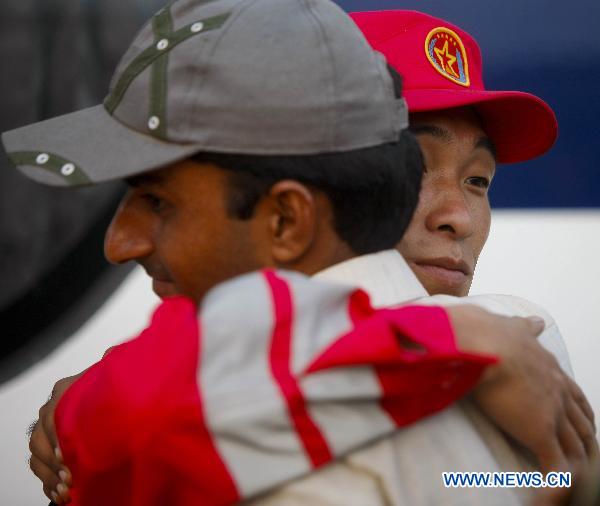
{"type": "Point", "coordinates": [57, 56]}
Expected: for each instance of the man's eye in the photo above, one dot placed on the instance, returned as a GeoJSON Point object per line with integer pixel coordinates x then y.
{"type": "Point", "coordinates": [155, 203]}
{"type": "Point", "coordinates": [479, 182]}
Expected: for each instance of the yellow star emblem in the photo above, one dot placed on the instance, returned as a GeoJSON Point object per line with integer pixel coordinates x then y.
{"type": "Point", "coordinates": [446, 59]}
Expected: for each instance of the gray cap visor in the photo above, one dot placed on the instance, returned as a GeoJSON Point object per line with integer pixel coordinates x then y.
{"type": "Point", "coordinates": [86, 147]}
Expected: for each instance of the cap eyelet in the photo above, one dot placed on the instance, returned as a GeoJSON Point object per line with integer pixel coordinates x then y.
{"type": "Point", "coordinates": [162, 44]}
{"type": "Point", "coordinates": [42, 158]}
{"type": "Point", "coordinates": [153, 122]}
{"type": "Point", "coordinates": [197, 27]}
{"type": "Point", "coordinates": [67, 169]}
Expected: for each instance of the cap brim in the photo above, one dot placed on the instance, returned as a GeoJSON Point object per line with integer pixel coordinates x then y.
{"type": "Point", "coordinates": [98, 146]}
{"type": "Point", "coordinates": [521, 125]}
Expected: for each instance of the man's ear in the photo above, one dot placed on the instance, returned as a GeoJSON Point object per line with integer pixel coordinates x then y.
{"type": "Point", "coordinates": [292, 221]}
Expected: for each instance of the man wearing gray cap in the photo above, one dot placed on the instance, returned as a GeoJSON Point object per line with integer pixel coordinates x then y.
{"type": "Point", "coordinates": [259, 133]}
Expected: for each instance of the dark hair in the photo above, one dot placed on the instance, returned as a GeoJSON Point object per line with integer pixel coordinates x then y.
{"type": "Point", "coordinates": [373, 191]}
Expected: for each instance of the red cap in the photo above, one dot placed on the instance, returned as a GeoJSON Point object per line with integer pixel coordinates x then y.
{"type": "Point", "coordinates": [441, 68]}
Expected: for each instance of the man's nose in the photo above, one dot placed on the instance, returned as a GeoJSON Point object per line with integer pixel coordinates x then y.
{"type": "Point", "coordinates": [450, 213]}
{"type": "Point", "coordinates": [127, 237]}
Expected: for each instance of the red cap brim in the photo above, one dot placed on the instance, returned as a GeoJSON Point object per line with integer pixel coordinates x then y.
{"type": "Point", "coordinates": [521, 125]}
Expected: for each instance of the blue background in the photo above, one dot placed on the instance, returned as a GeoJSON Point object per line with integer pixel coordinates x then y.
{"type": "Point", "coordinates": [551, 49]}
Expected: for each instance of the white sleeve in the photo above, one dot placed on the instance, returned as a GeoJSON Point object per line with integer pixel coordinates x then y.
{"type": "Point", "coordinates": [509, 305]}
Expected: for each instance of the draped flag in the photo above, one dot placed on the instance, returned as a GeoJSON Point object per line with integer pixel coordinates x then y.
{"type": "Point", "coordinates": [276, 376]}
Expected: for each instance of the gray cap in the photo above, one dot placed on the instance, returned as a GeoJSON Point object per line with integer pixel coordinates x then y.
{"type": "Point", "coordinates": [265, 77]}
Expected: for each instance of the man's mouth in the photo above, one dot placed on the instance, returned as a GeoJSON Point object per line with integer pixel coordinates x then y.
{"type": "Point", "coordinates": [162, 285]}
{"type": "Point", "coordinates": [447, 271]}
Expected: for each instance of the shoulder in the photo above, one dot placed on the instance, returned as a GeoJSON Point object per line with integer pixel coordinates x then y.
{"type": "Point", "coordinates": [506, 305]}
{"type": "Point", "coordinates": [510, 305]}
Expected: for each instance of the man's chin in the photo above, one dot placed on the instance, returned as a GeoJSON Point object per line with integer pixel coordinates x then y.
{"type": "Point", "coordinates": [164, 288]}
{"type": "Point", "coordinates": [437, 289]}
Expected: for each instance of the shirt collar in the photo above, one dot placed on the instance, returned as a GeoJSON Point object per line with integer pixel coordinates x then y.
{"type": "Point", "coordinates": [385, 276]}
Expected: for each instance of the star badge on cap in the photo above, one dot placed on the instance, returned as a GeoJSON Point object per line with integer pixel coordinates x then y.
{"type": "Point", "coordinates": [446, 52]}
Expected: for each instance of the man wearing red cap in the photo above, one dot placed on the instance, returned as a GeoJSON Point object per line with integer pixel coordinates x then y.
{"type": "Point", "coordinates": [463, 130]}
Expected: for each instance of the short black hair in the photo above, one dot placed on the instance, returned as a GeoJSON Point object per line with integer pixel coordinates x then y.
{"type": "Point", "coordinates": [373, 191]}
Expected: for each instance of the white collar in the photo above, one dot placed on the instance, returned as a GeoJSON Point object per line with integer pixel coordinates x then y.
{"type": "Point", "coordinates": [385, 276]}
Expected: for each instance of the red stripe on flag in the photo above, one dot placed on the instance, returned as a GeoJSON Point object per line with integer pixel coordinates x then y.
{"type": "Point", "coordinates": [424, 378]}
{"type": "Point", "coordinates": [312, 439]}
{"type": "Point", "coordinates": [134, 423]}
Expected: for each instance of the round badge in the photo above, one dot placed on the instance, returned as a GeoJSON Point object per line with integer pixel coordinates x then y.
{"type": "Point", "coordinates": [446, 52]}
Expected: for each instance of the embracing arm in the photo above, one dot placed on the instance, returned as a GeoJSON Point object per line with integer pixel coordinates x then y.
{"type": "Point", "coordinates": [530, 397]}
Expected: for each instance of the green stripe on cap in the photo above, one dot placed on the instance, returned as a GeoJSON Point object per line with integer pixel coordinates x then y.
{"type": "Point", "coordinates": [162, 24]}
{"type": "Point", "coordinates": [150, 54]}
{"type": "Point", "coordinates": [62, 167]}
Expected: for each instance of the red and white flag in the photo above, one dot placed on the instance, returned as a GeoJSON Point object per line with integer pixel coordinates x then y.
{"type": "Point", "coordinates": [276, 375]}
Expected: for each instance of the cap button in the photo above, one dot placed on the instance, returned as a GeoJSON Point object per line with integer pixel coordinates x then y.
{"type": "Point", "coordinates": [67, 169]}
{"type": "Point", "coordinates": [197, 27]}
{"type": "Point", "coordinates": [42, 158]}
{"type": "Point", "coordinates": [162, 44]}
{"type": "Point", "coordinates": [153, 122]}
